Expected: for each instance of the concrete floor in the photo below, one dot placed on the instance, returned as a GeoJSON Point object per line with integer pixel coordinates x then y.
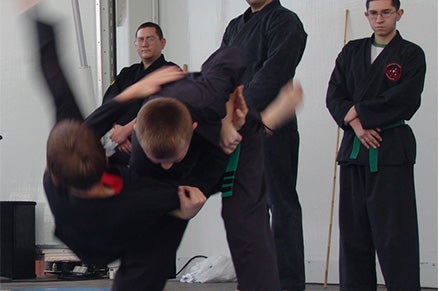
{"type": "Point", "coordinates": [105, 284]}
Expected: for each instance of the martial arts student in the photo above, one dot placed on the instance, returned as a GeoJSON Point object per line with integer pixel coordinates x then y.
{"type": "Point", "coordinates": [273, 38]}
{"type": "Point", "coordinates": [245, 212]}
{"type": "Point", "coordinates": [249, 209]}
{"type": "Point", "coordinates": [149, 43]}
{"type": "Point", "coordinates": [250, 228]}
{"type": "Point", "coordinates": [375, 87]}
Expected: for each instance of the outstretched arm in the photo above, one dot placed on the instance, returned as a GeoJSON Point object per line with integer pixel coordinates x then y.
{"type": "Point", "coordinates": [150, 84]}
{"type": "Point", "coordinates": [103, 118]}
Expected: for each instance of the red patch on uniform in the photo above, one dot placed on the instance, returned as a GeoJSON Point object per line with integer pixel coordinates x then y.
{"type": "Point", "coordinates": [113, 181]}
{"type": "Point", "coordinates": [393, 71]}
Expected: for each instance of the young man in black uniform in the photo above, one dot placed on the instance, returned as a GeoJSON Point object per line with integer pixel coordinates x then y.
{"type": "Point", "coordinates": [274, 40]}
{"type": "Point", "coordinates": [375, 87]}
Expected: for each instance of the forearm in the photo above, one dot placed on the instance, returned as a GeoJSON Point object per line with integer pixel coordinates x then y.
{"type": "Point", "coordinates": [283, 108]}
{"type": "Point", "coordinates": [350, 116]}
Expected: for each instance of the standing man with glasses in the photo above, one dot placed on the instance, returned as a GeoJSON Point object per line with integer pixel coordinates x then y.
{"type": "Point", "coordinates": [274, 40]}
{"type": "Point", "coordinates": [375, 87]}
{"type": "Point", "coordinates": [149, 42]}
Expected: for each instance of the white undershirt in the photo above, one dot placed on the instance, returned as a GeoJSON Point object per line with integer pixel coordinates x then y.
{"type": "Point", "coordinates": [375, 51]}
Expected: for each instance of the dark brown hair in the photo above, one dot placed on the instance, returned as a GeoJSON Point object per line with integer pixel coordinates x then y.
{"type": "Point", "coordinates": [395, 3]}
{"type": "Point", "coordinates": [75, 155]}
{"type": "Point", "coordinates": [158, 29]}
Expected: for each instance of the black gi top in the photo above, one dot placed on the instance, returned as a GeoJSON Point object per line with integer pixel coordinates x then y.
{"type": "Point", "coordinates": [383, 92]}
{"type": "Point", "coordinates": [127, 77]}
{"type": "Point", "coordinates": [274, 41]}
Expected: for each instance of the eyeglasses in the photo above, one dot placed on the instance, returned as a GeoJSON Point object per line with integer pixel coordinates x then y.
{"type": "Point", "coordinates": [373, 15]}
{"type": "Point", "coordinates": [149, 40]}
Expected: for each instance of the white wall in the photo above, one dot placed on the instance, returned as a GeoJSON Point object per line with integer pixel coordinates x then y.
{"type": "Point", "coordinates": [193, 29]}
{"type": "Point", "coordinates": [25, 116]}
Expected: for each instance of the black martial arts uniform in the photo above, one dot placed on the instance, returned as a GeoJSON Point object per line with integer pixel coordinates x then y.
{"type": "Point", "coordinates": [274, 40]}
{"type": "Point", "coordinates": [245, 213]}
{"type": "Point", "coordinates": [132, 225]}
{"type": "Point", "coordinates": [377, 196]}
{"type": "Point", "coordinates": [127, 77]}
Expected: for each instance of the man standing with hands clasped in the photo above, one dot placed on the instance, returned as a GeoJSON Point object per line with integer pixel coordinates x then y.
{"type": "Point", "coordinates": [375, 87]}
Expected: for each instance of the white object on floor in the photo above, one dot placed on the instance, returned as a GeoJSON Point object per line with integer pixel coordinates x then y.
{"type": "Point", "coordinates": [211, 269]}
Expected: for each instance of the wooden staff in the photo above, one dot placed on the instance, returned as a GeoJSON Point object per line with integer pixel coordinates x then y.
{"type": "Point", "coordinates": [334, 177]}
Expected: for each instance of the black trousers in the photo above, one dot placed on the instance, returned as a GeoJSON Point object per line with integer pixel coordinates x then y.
{"type": "Point", "coordinates": [377, 215]}
{"type": "Point", "coordinates": [147, 266]}
{"type": "Point", "coordinates": [246, 219]}
{"type": "Point", "coordinates": [281, 163]}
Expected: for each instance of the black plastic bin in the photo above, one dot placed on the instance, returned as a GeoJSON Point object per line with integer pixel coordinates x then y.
{"type": "Point", "coordinates": [17, 239]}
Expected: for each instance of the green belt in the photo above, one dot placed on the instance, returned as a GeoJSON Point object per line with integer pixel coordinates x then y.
{"type": "Point", "coordinates": [229, 175]}
{"type": "Point", "coordinates": [373, 153]}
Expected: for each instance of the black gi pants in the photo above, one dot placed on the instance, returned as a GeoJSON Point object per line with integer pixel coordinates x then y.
{"type": "Point", "coordinates": [147, 266]}
{"type": "Point", "coordinates": [378, 214]}
{"type": "Point", "coordinates": [246, 219]}
{"type": "Point", "coordinates": [281, 162]}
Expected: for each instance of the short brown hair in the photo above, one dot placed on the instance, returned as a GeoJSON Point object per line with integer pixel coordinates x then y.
{"type": "Point", "coordinates": [75, 155]}
{"type": "Point", "coordinates": [163, 127]}
{"type": "Point", "coordinates": [395, 3]}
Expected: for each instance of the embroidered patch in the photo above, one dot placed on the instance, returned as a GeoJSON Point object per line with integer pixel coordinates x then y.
{"type": "Point", "coordinates": [393, 71]}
